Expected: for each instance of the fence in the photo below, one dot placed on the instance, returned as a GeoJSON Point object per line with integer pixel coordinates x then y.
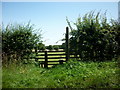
{"type": "Point", "coordinates": [46, 58]}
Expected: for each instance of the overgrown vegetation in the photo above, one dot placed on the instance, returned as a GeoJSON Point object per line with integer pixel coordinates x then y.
{"type": "Point", "coordinates": [95, 39]}
{"type": "Point", "coordinates": [18, 42]}
{"type": "Point", "coordinates": [53, 47]}
{"type": "Point", "coordinates": [73, 74]}
{"type": "Point", "coordinates": [40, 46]}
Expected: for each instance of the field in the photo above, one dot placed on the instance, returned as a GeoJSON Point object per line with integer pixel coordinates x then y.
{"type": "Point", "coordinates": [72, 74]}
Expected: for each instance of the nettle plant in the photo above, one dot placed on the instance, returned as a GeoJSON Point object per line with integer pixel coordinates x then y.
{"type": "Point", "coordinates": [94, 38]}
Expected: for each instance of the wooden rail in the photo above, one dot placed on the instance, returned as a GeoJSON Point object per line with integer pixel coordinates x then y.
{"type": "Point", "coordinates": [47, 56]}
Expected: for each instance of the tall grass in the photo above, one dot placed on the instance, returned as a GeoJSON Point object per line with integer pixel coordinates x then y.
{"type": "Point", "coordinates": [72, 74]}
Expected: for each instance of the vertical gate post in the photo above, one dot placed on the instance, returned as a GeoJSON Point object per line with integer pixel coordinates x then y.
{"type": "Point", "coordinates": [67, 44]}
{"type": "Point", "coordinates": [36, 55]}
{"type": "Point", "coordinates": [60, 61]}
{"type": "Point", "coordinates": [46, 60]}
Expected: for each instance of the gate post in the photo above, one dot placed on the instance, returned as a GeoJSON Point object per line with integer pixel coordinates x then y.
{"type": "Point", "coordinates": [60, 61]}
{"type": "Point", "coordinates": [36, 55]}
{"type": "Point", "coordinates": [46, 60]}
{"type": "Point", "coordinates": [67, 44]}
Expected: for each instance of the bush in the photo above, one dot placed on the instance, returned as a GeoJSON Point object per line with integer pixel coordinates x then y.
{"type": "Point", "coordinates": [50, 47]}
{"type": "Point", "coordinates": [56, 47]}
{"type": "Point", "coordinates": [62, 46]}
{"type": "Point", "coordinates": [40, 46]}
{"type": "Point", "coordinates": [18, 42]}
{"type": "Point", "coordinates": [116, 28]}
{"type": "Point", "coordinates": [94, 38]}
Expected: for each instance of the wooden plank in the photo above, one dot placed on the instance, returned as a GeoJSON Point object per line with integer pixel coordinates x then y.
{"type": "Point", "coordinates": [74, 57]}
{"type": "Point", "coordinates": [40, 58]}
{"type": "Point", "coordinates": [50, 51]}
{"type": "Point", "coordinates": [51, 58]}
{"type": "Point", "coordinates": [52, 54]}
{"type": "Point", "coordinates": [67, 43]}
{"type": "Point", "coordinates": [35, 53]}
{"type": "Point", "coordinates": [46, 60]}
{"type": "Point", "coordinates": [56, 57]}
{"type": "Point", "coordinates": [56, 61]}
{"type": "Point", "coordinates": [55, 54]}
{"type": "Point", "coordinates": [56, 51]}
{"type": "Point", "coordinates": [40, 55]}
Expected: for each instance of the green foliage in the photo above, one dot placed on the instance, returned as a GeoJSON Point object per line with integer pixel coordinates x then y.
{"type": "Point", "coordinates": [116, 27]}
{"type": "Point", "coordinates": [62, 46]}
{"type": "Point", "coordinates": [50, 47]}
{"type": "Point", "coordinates": [18, 42]}
{"type": "Point", "coordinates": [41, 46]}
{"type": "Point", "coordinates": [72, 74]}
{"type": "Point", "coordinates": [94, 38]}
{"type": "Point", "coordinates": [56, 47]}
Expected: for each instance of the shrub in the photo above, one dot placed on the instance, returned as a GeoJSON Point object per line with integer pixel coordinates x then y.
{"type": "Point", "coordinates": [62, 46]}
{"type": "Point", "coordinates": [40, 46]}
{"type": "Point", "coordinates": [56, 47]}
{"type": "Point", "coordinates": [18, 41]}
{"type": "Point", "coordinates": [50, 47]}
{"type": "Point", "coordinates": [94, 38]}
{"type": "Point", "coordinates": [116, 28]}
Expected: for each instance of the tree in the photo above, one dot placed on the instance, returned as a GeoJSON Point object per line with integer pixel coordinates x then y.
{"type": "Point", "coordinates": [56, 47]}
{"type": "Point", "coordinates": [50, 47]}
{"type": "Point", "coordinates": [40, 46]}
{"type": "Point", "coordinates": [62, 46]}
{"type": "Point", "coordinates": [94, 38]}
{"type": "Point", "coordinates": [18, 41]}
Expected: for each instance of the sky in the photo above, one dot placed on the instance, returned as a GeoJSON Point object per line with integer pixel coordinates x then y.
{"type": "Point", "coordinates": [50, 17]}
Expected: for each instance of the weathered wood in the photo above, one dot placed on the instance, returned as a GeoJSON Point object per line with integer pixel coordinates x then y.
{"type": "Point", "coordinates": [56, 61]}
{"type": "Point", "coordinates": [40, 58]}
{"type": "Point", "coordinates": [50, 51]}
{"type": "Point", "coordinates": [40, 54]}
{"type": "Point", "coordinates": [51, 54]}
{"type": "Point", "coordinates": [67, 44]}
{"type": "Point", "coordinates": [56, 54]}
{"type": "Point", "coordinates": [46, 60]}
{"type": "Point", "coordinates": [56, 51]}
{"type": "Point", "coordinates": [56, 57]}
{"type": "Point", "coordinates": [51, 57]}
{"type": "Point", "coordinates": [74, 57]}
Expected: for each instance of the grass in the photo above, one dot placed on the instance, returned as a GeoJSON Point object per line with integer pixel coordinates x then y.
{"type": "Point", "coordinates": [72, 74]}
